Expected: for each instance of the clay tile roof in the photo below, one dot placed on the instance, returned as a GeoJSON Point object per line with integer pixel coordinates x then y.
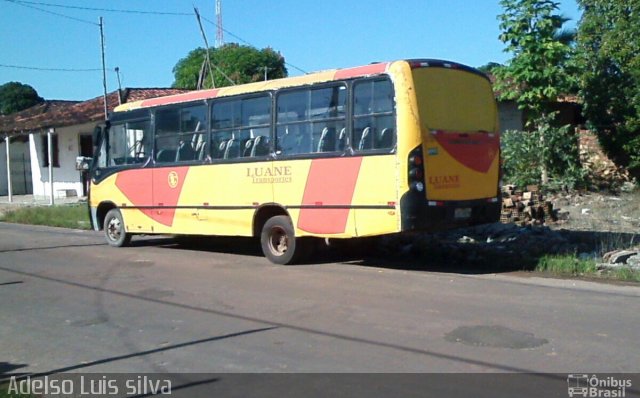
{"type": "Point", "coordinates": [55, 113]}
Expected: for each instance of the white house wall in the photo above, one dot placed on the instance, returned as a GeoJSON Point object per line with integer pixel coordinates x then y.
{"type": "Point", "coordinates": [65, 178]}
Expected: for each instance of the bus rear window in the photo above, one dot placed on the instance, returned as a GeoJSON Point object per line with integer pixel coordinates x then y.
{"type": "Point", "coordinates": [454, 100]}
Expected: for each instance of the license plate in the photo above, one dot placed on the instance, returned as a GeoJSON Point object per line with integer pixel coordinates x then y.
{"type": "Point", "coordinates": [464, 212]}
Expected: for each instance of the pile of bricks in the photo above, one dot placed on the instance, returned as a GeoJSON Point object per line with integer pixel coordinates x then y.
{"type": "Point", "coordinates": [525, 207]}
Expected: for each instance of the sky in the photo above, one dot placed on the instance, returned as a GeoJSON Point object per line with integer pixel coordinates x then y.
{"type": "Point", "coordinates": [312, 35]}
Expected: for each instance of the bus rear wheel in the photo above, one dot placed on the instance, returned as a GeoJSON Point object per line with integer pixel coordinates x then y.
{"type": "Point", "coordinates": [278, 241]}
{"type": "Point", "coordinates": [114, 230]}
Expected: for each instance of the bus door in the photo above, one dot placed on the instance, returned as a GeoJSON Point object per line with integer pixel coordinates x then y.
{"type": "Point", "coordinates": [130, 149]}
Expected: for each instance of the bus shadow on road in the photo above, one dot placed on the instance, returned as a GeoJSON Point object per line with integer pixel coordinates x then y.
{"type": "Point", "coordinates": [359, 252]}
{"type": "Point", "coordinates": [216, 244]}
{"type": "Point", "coordinates": [433, 255]}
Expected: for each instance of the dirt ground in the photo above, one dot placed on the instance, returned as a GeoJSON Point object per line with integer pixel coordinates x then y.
{"type": "Point", "coordinates": [598, 212]}
{"type": "Point", "coordinates": [590, 225]}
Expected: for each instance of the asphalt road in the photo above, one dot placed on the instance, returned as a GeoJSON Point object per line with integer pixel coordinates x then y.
{"type": "Point", "coordinates": [70, 303]}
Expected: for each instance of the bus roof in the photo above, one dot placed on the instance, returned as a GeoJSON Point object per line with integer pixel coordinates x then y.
{"type": "Point", "coordinates": [317, 77]}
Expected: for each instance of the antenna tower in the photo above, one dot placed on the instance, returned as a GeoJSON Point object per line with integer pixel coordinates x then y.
{"type": "Point", "coordinates": [219, 31]}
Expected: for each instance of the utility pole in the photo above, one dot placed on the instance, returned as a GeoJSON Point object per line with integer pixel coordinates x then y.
{"type": "Point", "coordinates": [50, 157]}
{"type": "Point", "coordinates": [117, 69]}
{"type": "Point", "coordinates": [7, 141]}
{"type": "Point", "coordinates": [206, 43]}
{"type": "Point", "coordinates": [219, 30]}
{"type": "Point", "coordinates": [266, 69]}
{"type": "Point", "coordinates": [104, 73]}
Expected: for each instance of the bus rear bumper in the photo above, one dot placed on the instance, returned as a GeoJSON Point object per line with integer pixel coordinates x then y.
{"type": "Point", "coordinates": [418, 214]}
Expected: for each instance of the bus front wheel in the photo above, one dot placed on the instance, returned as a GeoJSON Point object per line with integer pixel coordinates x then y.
{"type": "Point", "coordinates": [114, 229]}
{"type": "Point", "coordinates": [278, 241]}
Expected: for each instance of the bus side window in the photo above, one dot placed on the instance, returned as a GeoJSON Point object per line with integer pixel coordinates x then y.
{"type": "Point", "coordinates": [167, 139]}
{"type": "Point", "coordinates": [373, 116]}
{"type": "Point", "coordinates": [236, 125]}
{"type": "Point", "coordinates": [193, 122]}
{"type": "Point", "coordinates": [309, 118]}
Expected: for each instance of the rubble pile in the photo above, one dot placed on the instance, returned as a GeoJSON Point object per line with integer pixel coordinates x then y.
{"type": "Point", "coordinates": [621, 258]}
{"type": "Point", "coordinates": [525, 207]}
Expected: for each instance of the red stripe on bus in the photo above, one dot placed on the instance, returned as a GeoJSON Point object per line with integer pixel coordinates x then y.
{"type": "Point", "coordinates": [166, 186]}
{"type": "Point", "coordinates": [130, 183]}
{"type": "Point", "coordinates": [476, 151]}
{"type": "Point", "coordinates": [361, 71]}
{"type": "Point", "coordinates": [186, 97]}
{"type": "Point", "coordinates": [330, 182]}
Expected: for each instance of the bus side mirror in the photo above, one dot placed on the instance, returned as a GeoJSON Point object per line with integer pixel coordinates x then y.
{"type": "Point", "coordinates": [83, 163]}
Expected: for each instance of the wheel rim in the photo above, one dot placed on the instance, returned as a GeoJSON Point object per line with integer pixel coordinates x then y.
{"type": "Point", "coordinates": [278, 241]}
{"type": "Point", "coordinates": [114, 229]}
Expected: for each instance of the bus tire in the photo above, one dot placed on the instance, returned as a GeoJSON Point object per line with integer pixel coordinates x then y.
{"type": "Point", "coordinates": [114, 230]}
{"type": "Point", "coordinates": [278, 241]}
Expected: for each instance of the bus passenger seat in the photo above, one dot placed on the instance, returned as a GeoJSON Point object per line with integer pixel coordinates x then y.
{"type": "Point", "coordinates": [342, 140]}
{"type": "Point", "coordinates": [202, 151]}
{"type": "Point", "coordinates": [220, 148]}
{"type": "Point", "coordinates": [327, 142]}
{"type": "Point", "coordinates": [248, 147]}
{"type": "Point", "coordinates": [365, 139]}
{"type": "Point", "coordinates": [260, 146]}
{"type": "Point", "coordinates": [232, 150]}
{"type": "Point", "coordinates": [166, 156]}
{"type": "Point", "coordinates": [185, 152]}
{"type": "Point", "coordinates": [386, 138]}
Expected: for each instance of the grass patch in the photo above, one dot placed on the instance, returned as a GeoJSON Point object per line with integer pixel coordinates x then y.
{"type": "Point", "coordinates": [566, 265]}
{"type": "Point", "coordinates": [569, 265]}
{"type": "Point", "coordinates": [626, 274]}
{"type": "Point", "coordinates": [67, 216]}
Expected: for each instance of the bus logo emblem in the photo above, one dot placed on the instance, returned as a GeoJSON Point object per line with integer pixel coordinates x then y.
{"type": "Point", "coordinates": [173, 179]}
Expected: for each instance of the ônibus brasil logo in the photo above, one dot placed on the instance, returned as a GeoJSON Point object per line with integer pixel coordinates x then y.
{"type": "Point", "coordinates": [583, 385]}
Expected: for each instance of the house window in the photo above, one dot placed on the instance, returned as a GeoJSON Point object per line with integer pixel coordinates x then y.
{"type": "Point", "coordinates": [54, 150]}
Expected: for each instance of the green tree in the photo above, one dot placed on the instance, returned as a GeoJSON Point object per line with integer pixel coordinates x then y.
{"type": "Point", "coordinates": [242, 64]}
{"type": "Point", "coordinates": [15, 96]}
{"type": "Point", "coordinates": [540, 68]}
{"type": "Point", "coordinates": [608, 54]}
{"type": "Point", "coordinates": [489, 67]}
{"type": "Point", "coordinates": [539, 72]}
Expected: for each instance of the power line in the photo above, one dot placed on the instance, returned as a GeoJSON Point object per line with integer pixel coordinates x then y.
{"type": "Point", "coordinates": [23, 4]}
{"type": "Point", "coordinates": [102, 9]}
{"type": "Point", "coordinates": [32, 4]}
{"type": "Point", "coordinates": [246, 42]}
{"type": "Point", "coordinates": [51, 69]}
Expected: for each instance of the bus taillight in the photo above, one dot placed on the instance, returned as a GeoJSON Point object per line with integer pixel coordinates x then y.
{"type": "Point", "coordinates": [416, 170]}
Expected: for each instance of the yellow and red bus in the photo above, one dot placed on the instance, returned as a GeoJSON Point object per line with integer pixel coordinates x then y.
{"type": "Point", "coordinates": [385, 148]}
